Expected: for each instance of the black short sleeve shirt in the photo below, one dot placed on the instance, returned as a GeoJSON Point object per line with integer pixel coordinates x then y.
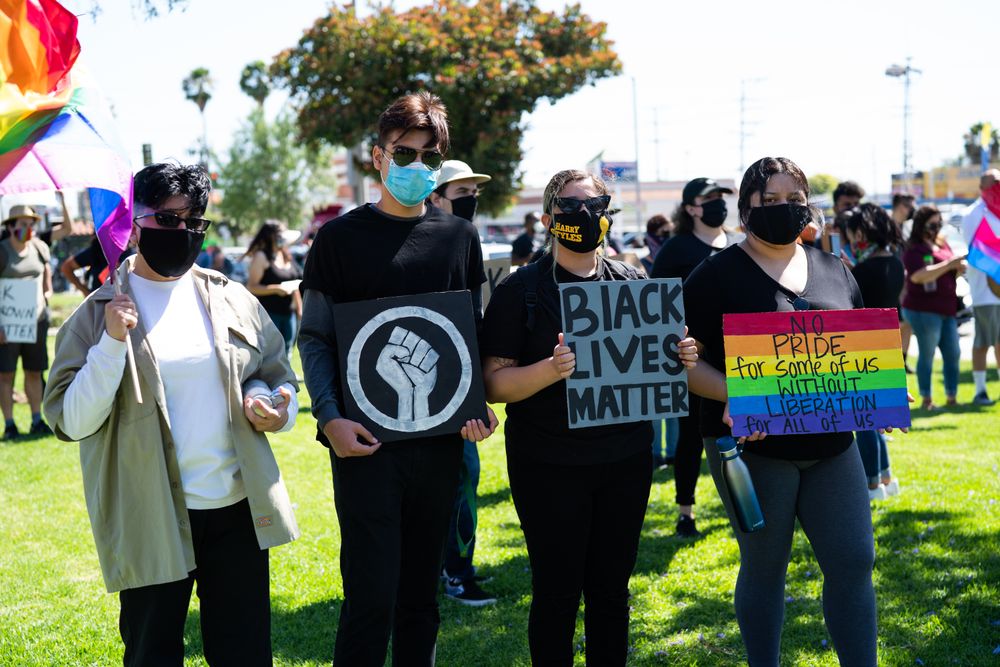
{"type": "Point", "coordinates": [731, 282]}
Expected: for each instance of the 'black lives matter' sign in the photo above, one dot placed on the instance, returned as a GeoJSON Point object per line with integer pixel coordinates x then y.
{"type": "Point", "coordinates": [410, 365]}
{"type": "Point", "coordinates": [625, 336]}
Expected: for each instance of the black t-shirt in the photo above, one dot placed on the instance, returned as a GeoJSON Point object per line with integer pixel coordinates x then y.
{"type": "Point", "coordinates": [93, 258]}
{"type": "Point", "coordinates": [280, 304]}
{"type": "Point", "coordinates": [366, 254]}
{"type": "Point", "coordinates": [538, 426]}
{"type": "Point", "coordinates": [681, 254]}
{"type": "Point", "coordinates": [880, 280]}
{"type": "Point", "coordinates": [731, 282]}
{"type": "Point", "coordinates": [522, 246]}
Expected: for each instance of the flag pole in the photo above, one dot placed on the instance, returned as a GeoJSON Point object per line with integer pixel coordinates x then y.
{"type": "Point", "coordinates": [129, 353]}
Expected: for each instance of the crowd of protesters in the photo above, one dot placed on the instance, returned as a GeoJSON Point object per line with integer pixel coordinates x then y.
{"type": "Point", "coordinates": [213, 362]}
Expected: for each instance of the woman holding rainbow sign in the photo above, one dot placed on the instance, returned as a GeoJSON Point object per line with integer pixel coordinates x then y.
{"type": "Point", "coordinates": [817, 478]}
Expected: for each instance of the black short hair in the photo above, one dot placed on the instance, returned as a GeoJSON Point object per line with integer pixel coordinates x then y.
{"type": "Point", "coordinates": [902, 198]}
{"type": "Point", "coordinates": [848, 189]}
{"type": "Point", "coordinates": [755, 180]}
{"type": "Point", "coordinates": [155, 184]}
{"type": "Point", "coordinates": [875, 225]}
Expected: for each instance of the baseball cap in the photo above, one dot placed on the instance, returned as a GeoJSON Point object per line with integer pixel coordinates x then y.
{"type": "Point", "coordinates": [456, 170]}
{"type": "Point", "coordinates": [699, 187]}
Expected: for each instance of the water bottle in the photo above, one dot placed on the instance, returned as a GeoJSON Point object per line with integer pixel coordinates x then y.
{"type": "Point", "coordinates": [930, 286]}
{"type": "Point", "coordinates": [741, 491]}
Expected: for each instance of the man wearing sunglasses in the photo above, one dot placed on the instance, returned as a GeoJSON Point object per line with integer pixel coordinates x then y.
{"type": "Point", "coordinates": [183, 487]}
{"type": "Point", "coordinates": [393, 499]}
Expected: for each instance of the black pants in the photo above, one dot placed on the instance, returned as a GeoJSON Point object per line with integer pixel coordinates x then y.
{"type": "Point", "coordinates": [234, 590]}
{"type": "Point", "coordinates": [393, 508]}
{"type": "Point", "coordinates": [687, 460]}
{"type": "Point", "coordinates": [581, 525]}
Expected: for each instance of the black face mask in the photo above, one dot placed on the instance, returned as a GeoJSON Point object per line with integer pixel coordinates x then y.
{"type": "Point", "coordinates": [170, 252]}
{"type": "Point", "coordinates": [465, 207]}
{"type": "Point", "coordinates": [780, 224]}
{"type": "Point", "coordinates": [713, 213]}
{"type": "Point", "coordinates": [582, 231]}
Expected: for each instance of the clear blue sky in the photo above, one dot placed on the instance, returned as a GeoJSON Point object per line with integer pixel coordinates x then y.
{"type": "Point", "coordinates": [816, 88]}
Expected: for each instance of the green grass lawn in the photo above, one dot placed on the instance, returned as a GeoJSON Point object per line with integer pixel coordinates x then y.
{"type": "Point", "coordinates": [937, 573]}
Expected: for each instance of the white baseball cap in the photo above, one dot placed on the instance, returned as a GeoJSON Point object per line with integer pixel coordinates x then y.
{"type": "Point", "coordinates": [456, 170]}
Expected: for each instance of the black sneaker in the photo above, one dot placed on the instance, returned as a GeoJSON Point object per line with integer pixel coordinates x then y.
{"type": "Point", "coordinates": [467, 592]}
{"type": "Point", "coordinates": [982, 399]}
{"type": "Point", "coordinates": [686, 527]}
{"type": "Point", "coordinates": [40, 429]}
{"type": "Point", "coordinates": [11, 433]}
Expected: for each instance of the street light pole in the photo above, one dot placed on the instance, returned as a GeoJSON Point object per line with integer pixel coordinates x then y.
{"type": "Point", "coordinates": [903, 72]}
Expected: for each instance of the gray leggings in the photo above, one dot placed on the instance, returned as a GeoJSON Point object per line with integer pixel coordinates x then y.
{"type": "Point", "coordinates": [829, 497]}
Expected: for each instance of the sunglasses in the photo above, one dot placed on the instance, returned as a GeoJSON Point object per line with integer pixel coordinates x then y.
{"type": "Point", "coordinates": [173, 221]}
{"type": "Point", "coordinates": [404, 155]}
{"type": "Point", "coordinates": [594, 204]}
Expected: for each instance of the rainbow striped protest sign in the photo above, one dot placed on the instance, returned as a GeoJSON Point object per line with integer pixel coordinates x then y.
{"type": "Point", "coordinates": [815, 371]}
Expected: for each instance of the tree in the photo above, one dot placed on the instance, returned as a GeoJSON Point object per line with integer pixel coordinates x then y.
{"type": "Point", "coordinates": [269, 173]}
{"type": "Point", "coordinates": [198, 88]}
{"type": "Point", "coordinates": [150, 9]}
{"type": "Point", "coordinates": [973, 145]}
{"type": "Point", "coordinates": [256, 82]}
{"type": "Point", "coordinates": [490, 61]}
{"type": "Point", "coordinates": [820, 184]}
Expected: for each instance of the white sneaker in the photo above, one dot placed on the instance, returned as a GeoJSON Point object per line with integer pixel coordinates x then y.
{"type": "Point", "coordinates": [892, 488]}
{"type": "Point", "coordinates": [878, 493]}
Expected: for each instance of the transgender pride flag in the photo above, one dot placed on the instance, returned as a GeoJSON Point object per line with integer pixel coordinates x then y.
{"type": "Point", "coordinates": [984, 253]}
{"type": "Point", "coordinates": [56, 131]}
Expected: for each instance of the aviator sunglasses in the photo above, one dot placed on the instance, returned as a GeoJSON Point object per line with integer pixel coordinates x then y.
{"type": "Point", "coordinates": [404, 155]}
{"type": "Point", "coordinates": [173, 221]}
{"type": "Point", "coordinates": [594, 204]}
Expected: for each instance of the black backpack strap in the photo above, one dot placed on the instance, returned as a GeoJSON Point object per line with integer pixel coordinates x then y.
{"type": "Point", "coordinates": [529, 275]}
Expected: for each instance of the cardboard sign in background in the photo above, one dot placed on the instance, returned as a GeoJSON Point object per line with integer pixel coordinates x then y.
{"type": "Point", "coordinates": [496, 271]}
{"type": "Point", "coordinates": [624, 334]}
{"type": "Point", "coordinates": [19, 309]}
{"type": "Point", "coordinates": [815, 371]}
{"type": "Point", "coordinates": [409, 365]}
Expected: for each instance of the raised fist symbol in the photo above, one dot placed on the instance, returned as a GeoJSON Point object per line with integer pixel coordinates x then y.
{"type": "Point", "coordinates": [409, 365]}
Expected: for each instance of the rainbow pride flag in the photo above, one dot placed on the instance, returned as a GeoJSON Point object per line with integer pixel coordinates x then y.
{"type": "Point", "coordinates": [815, 371]}
{"type": "Point", "coordinates": [56, 131]}
{"type": "Point", "coordinates": [984, 252]}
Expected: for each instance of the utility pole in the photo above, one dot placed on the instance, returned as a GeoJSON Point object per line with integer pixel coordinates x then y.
{"type": "Point", "coordinates": [903, 72]}
{"type": "Point", "coordinates": [656, 140]}
{"type": "Point", "coordinates": [744, 123]}
{"type": "Point", "coordinates": [635, 127]}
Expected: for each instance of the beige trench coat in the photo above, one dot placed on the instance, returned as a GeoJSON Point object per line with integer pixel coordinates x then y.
{"type": "Point", "coordinates": [130, 474]}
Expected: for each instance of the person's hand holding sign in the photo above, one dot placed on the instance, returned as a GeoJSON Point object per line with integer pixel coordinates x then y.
{"type": "Point", "coordinates": [476, 431]}
{"type": "Point", "coordinates": [563, 360]}
{"type": "Point", "coordinates": [687, 350]}
{"type": "Point", "coordinates": [728, 421]}
{"type": "Point", "coordinates": [409, 365]}
{"type": "Point", "coordinates": [343, 435]}
{"type": "Point", "coordinates": [120, 315]}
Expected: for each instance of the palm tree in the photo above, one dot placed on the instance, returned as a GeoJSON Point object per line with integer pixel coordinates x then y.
{"type": "Point", "coordinates": [198, 88]}
{"type": "Point", "coordinates": [256, 82]}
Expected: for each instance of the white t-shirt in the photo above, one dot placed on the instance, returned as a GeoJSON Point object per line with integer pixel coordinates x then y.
{"type": "Point", "coordinates": [971, 219]}
{"type": "Point", "coordinates": [179, 333]}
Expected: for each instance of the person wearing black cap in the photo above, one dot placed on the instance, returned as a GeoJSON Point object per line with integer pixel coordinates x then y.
{"type": "Point", "coordinates": [698, 233]}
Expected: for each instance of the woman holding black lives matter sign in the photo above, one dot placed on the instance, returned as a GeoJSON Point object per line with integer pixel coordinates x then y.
{"type": "Point", "coordinates": [580, 494]}
{"type": "Point", "coordinates": [815, 478]}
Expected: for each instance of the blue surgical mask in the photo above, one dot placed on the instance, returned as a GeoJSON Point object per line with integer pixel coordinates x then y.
{"type": "Point", "coordinates": [411, 184]}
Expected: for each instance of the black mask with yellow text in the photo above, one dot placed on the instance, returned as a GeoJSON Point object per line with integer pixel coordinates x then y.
{"type": "Point", "coordinates": [581, 231]}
